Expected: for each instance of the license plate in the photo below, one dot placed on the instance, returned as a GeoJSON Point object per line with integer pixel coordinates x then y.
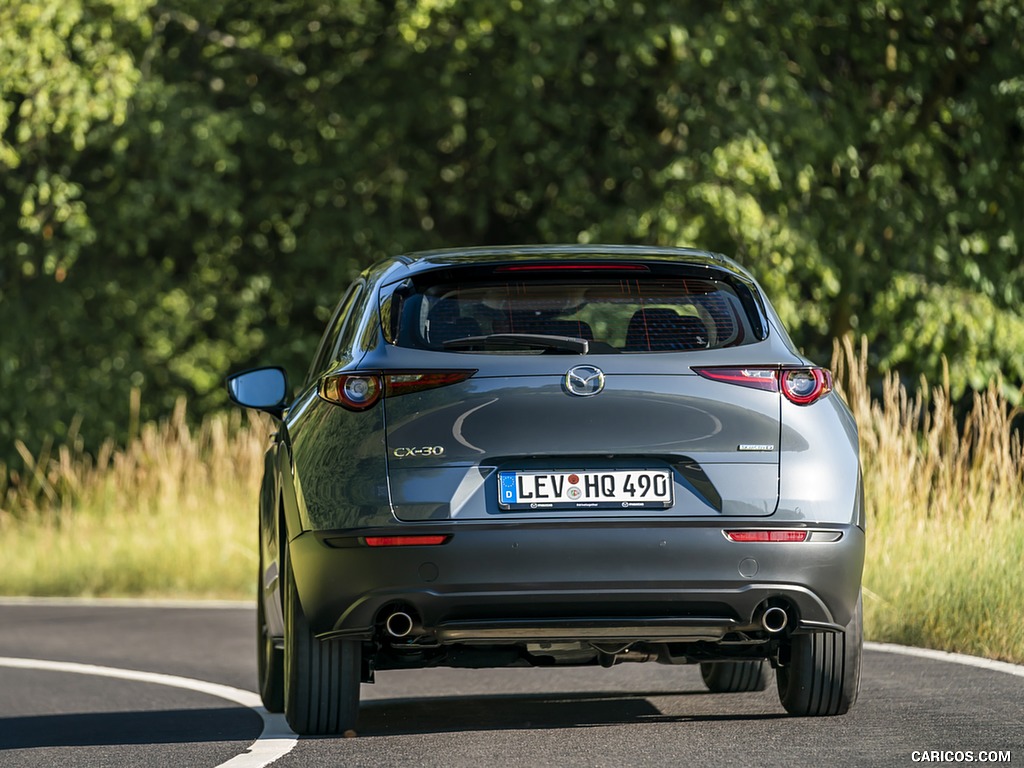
{"type": "Point", "coordinates": [586, 489]}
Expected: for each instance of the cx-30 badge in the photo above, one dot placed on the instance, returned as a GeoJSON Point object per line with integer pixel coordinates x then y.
{"type": "Point", "coordinates": [584, 380]}
{"type": "Point", "coordinates": [422, 451]}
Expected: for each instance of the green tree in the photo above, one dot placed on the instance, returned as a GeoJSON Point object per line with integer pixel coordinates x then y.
{"type": "Point", "coordinates": [188, 186]}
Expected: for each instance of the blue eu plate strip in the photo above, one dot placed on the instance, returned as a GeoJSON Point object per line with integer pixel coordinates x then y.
{"type": "Point", "coordinates": [508, 488]}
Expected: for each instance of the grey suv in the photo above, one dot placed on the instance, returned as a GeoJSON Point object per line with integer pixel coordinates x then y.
{"type": "Point", "coordinates": [557, 455]}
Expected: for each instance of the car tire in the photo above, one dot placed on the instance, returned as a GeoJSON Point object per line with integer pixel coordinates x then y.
{"type": "Point", "coordinates": [822, 676]}
{"type": "Point", "coordinates": [269, 658]}
{"type": "Point", "coordinates": [734, 676]}
{"type": "Point", "coordinates": [322, 677]}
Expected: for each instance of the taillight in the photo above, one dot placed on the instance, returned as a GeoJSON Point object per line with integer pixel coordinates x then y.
{"type": "Point", "coordinates": [760, 536]}
{"type": "Point", "coordinates": [359, 391]}
{"type": "Point", "coordinates": [404, 383]}
{"type": "Point", "coordinates": [801, 386]}
{"type": "Point", "coordinates": [758, 378]}
{"type": "Point", "coordinates": [428, 540]}
{"type": "Point", "coordinates": [805, 385]}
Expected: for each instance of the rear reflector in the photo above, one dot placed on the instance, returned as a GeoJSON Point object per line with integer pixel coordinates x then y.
{"type": "Point", "coordinates": [777, 536]}
{"type": "Point", "coordinates": [430, 540]}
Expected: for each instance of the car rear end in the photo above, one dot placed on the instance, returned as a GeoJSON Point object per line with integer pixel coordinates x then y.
{"type": "Point", "coordinates": [575, 457]}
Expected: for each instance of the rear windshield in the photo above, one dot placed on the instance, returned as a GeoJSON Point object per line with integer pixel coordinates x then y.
{"type": "Point", "coordinates": [646, 313]}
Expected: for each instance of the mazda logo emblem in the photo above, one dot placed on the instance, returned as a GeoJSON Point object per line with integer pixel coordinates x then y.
{"type": "Point", "coordinates": [584, 380]}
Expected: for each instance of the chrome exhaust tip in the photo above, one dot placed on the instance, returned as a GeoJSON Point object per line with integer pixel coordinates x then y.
{"type": "Point", "coordinates": [399, 624]}
{"type": "Point", "coordinates": [774, 619]}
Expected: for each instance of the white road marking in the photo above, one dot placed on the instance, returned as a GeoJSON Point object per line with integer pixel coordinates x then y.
{"type": "Point", "coordinates": [276, 740]}
{"type": "Point", "coordinates": [952, 658]}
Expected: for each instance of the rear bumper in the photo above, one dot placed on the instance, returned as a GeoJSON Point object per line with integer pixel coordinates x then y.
{"type": "Point", "coordinates": [508, 582]}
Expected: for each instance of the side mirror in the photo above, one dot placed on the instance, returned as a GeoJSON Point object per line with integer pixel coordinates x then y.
{"type": "Point", "coordinates": [261, 388]}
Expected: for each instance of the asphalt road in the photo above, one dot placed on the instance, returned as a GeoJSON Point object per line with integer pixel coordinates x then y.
{"type": "Point", "coordinates": [632, 715]}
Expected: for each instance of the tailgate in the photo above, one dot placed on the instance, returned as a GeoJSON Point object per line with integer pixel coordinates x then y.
{"type": "Point", "coordinates": [451, 450]}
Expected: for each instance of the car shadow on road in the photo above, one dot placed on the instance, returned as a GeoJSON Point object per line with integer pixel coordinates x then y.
{"type": "Point", "coordinates": [443, 714]}
{"type": "Point", "coordinates": [179, 726]}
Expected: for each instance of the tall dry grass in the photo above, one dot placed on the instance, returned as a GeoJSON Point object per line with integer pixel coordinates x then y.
{"type": "Point", "coordinates": [945, 507]}
{"type": "Point", "coordinates": [172, 514]}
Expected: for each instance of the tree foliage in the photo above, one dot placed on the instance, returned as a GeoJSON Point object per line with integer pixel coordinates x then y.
{"type": "Point", "coordinates": [187, 186]}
